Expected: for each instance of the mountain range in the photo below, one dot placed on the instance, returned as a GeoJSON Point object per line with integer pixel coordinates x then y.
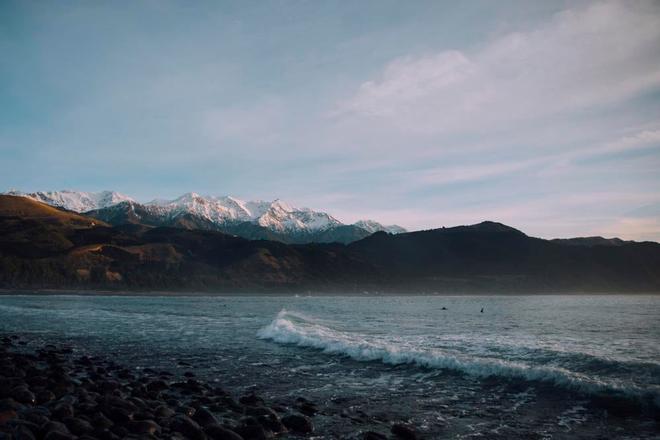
{"type": "Point", "coordinates": [275, 220]}
{"type": "Point", "coordinates": [44, 247]}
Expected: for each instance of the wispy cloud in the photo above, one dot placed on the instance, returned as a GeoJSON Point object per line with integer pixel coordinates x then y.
{"type": "Point", "coordinates": [592, 56]}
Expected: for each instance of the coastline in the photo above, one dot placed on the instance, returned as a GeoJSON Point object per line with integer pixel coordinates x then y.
{"type": "Point", "coordinates": [54, 393]}
{"type": "Point", "coordinates": [187, 294]}
{"type": "Point", "coordinates": [224, 383]}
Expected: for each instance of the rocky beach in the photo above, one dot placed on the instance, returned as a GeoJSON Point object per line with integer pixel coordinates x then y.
{"type": "Point", "coordinates": [49, 392]}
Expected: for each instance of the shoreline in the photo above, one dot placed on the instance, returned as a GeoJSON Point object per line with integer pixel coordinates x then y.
{"type": "Point", "coordinates": [61, 392]}
{"type": "Point", "coordinates": [201, 294]}
{"type": "Point", "coordinates": [50, 392]}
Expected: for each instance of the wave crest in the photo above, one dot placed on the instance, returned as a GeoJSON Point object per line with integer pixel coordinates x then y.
{"type": "Point", "coordinates": [293, 328]}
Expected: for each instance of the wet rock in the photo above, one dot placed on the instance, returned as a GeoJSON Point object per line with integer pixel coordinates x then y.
{"type": "Point", "coordinates": [56, 431]}
{"type": "Point", "coordinates": [279, 408]}
{"type": "Point", "coordinates": [23, 395]}
{"type": "Point", "coordinates": [107, 386]}
{"type": "Point", "coordinates": [272, 422]}
{"type": "Point", "coordinates": [202, 400]}
{"type": "Point", "coordinates": [44, 396]}
{"type": "Point", "coordinates": [144, 415]}
{"type": "Point", "coordinates": [218, 432]}
{"type": "Point", "coordinates": [106, 434]}
{"type": "Point", "coordinates": [298, 423]}
{"type": "Point", "coordinates": [228, 402]}
{"type": "Point", "coordinates": [188, 427]}
{"type": "Point", "coordinates": [258, 411]}
{"type": "Point", "coordinates": [6, 415]}
{"type": "Point", "coordinates": [266, 417]}
{"type": "Point", "coordinates": [37, 380]}
{"type": "Point", "coordinates": [119, 431]}
{"type": "Point", "coordinates": [306, 407]}
{"type": "Point", "coordinates": [163, 411]}
{"type": "Point", "coordinates": [62, 410]}
{"type": "Point", "coordinates": [250, 429]}
{"type": "Point", "coordinates": [100, 421]}
{"type": "Point", "coordinates": [54, 426]}
{"type": "Point", "coordinates": [118, 415]}
{"type": "Point", "coordinates": [204, 417]}
{"type": "Point", "coordinates": [144, 427]}
{"type": "Point", "coordinates": [251, 400]}
{"type": "Point", "coordinates": [157, 386]}
{"type": "Point", "coordinates": [405, 432]}
{"type": "Point", "coordinates": [186, 410]}
{"type": "Point", "coordinates": [22, 432]}
{"type": "Point", "coordinates": [78, 426]}
{"type": "Point", "coordinates": [9, 403]}
{"type": "Point", "coordinates": [36, 418]}
{"type": "Point", "coordinates": [68, 400]}
{"type": "Point", "coordinates": [118, 402]}
{"type": "Point", "coordinates": [139, 403]}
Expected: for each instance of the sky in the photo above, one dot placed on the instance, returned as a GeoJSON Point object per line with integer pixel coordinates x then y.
{"type": "Point", "coordinates": [541, 115]}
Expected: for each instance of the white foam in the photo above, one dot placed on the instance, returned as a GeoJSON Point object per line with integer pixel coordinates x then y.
{"type": "Point", "coordinates": [297, 329]}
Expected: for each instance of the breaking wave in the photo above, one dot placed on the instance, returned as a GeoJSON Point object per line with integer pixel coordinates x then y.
{"type": "Point", "coordinates": [293, 328]}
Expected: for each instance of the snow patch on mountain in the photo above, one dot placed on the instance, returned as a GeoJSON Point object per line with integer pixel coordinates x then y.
{"type": "Point", "coordinates": [276, 215]}
{"type": "Point", "coordinates": [372, 226]}
{"type": "Point", "coordinates": [77, 201]}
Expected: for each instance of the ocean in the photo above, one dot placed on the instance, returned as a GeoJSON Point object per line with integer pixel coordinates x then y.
{"type": "Point", "coordinates": [524, 366]}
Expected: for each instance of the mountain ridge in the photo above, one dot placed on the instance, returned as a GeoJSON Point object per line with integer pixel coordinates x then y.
{"type": "Point", "coordinates": [275, 220]}
{"type": "Point", "coordinates": [40, 249]}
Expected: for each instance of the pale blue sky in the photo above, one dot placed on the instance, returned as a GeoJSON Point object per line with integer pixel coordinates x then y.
{"type": "Point", "coordinates": [542, 115]}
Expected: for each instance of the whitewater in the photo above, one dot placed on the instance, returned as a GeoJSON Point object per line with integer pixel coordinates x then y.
{"type": "Point", "coordinates": [297, 329]}
{"type": "Point", "coordinates": [528, 366]}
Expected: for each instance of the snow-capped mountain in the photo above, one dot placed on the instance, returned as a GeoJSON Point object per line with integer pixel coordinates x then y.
{"type": "Point", "coordinates": [77, 201]}
{"type": "Point", "coordinates": [274, 220]}
{"type": "Point", "coordinates": [372, 226]}
{"type": "Point", "coordinates": [276, 215]}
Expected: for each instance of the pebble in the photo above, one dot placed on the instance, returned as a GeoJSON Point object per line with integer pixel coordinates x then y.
{"type": "Point", "coordinates": [218, 432]}
{"type": "Point", "coordinates": [53, 395]}
{"type": "Point", "coordinates": [144, 427]}
{"type": "Point", "coordinates": [78, 426]}
{"type": "Point", "coordinates": [188, 427]}
{"type": "Point", "coordinates": [250, 429]}
{"type": "Point", "coordinates": [298, 423]}
{"type": "Point", "coordinates": [205, 417]}
{"type": "Point", "coordinates": [404, 432]}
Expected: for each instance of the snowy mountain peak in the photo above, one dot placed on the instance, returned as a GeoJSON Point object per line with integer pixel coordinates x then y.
{"type": "Point", "coordinates": [77, 201]}
{"type": "Point", "coordinates": [372, 226]}
{"type": "Point", "coordinates": [276, 215]}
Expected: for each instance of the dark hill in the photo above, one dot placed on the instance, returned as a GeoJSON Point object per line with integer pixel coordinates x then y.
{"type": "Point", "coordinates": [43, 247]}
{"type": "Point", "coordinates": [28, 209]}
{"type": "Point", "coordinates": [493, 257]}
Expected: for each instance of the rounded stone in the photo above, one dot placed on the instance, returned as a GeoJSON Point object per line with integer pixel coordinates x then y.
{"type": "Point", "coordinates": [298, 423]}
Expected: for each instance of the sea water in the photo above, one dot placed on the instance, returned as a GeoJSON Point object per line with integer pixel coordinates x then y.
{"type": "Point", "coordinates": [529, 366]}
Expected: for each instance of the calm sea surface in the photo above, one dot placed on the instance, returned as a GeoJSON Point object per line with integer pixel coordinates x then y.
{"type": "Point", "coordinates": [524, 367]}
